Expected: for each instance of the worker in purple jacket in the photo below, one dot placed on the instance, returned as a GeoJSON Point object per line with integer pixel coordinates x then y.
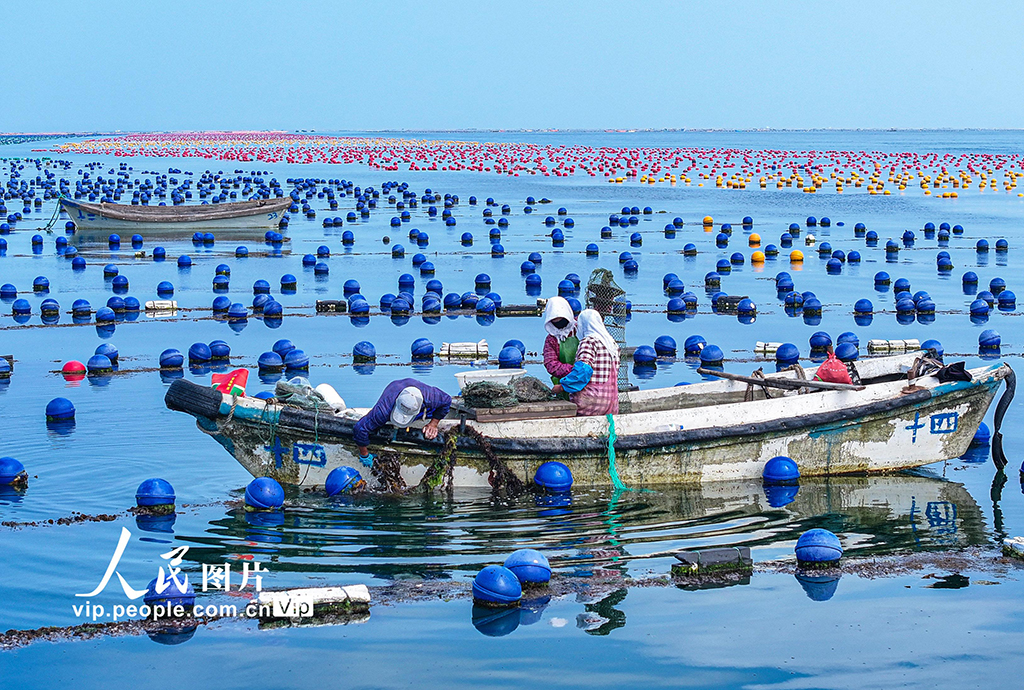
{"type": "Point", "coordinates": [402, 402]}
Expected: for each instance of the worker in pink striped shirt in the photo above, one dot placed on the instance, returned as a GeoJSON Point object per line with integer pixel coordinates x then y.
{"type": "Point", "coordinates": [592, 383]}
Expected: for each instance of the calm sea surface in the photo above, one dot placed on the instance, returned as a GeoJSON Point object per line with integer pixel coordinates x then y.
{"type": "Point", "coordinates": [771, 631]}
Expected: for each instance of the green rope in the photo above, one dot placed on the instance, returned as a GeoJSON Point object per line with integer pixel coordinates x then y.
{"type": "Point", "coordinates": [54, 217]}
{"type": "Point", "coordinates": [613, 472]}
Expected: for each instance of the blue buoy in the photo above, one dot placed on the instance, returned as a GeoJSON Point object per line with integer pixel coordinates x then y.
{"type": "Point", "coordinates": [510, 358]}
{"type": "Point", "coordinates": [982, 436]}
{"type": "Point", "coordinates": [820, 340]}
{"type": "Point", "coordinates": [342, 480]}
{"type": "Point", "coordinates": [530, 566]}
{"type": "Point", "coordinates": [693, 345]}
{"type": "Point", "coordinates": [787, 354]}
{"type": "Point", "coordinates": [60, 410]}
{"type": "Point", "coordinates": [711, 355]}
{"type": "Point", "coordinates": [12, 472]}
{"type": "Point", "coordinates": [270, 362]}
{"type": "Point", "coordinates": [199, 353]}
{"type": "Point", "coordinates": [104, 315]}
{"type": "Point", "coordinates": [154, 492]}
{"type": "Point", "coordinates": [847, 352]}
{"type": "Point", "coordinates": [283, 347]}
{"type": "Point", "coordinates": [554, 477]}
{"type": "Point", "coordinates": [497, 586]}
{"type": "Point", "coordinates": [934, 348]}
{"type": "Point", "coordinates": [171, 359]}
{"type": "Point", "coordinates": [989, 340]}
{"type": "Point", "coordinates": [645, 355]}
{"type": "Point", "coordinates": [364, 351]}
{"type": "Point", "coordinates": [99, 364]}
{"type": "Point", "coordinates": [818, 546]}
{"type": "Point", "coordinates": [517, 344]}
{"type": "Point", "coordinates": [665, 346]}
{"type": "Point", "coordinates": [172, 596]}
{"type": "Point", "coordinates": [109, 350]}
{"type": "Point", "coordinates": [219, 350]}
{"type": "Point", "coordinates": [780, 470]}
{"type": "Point", "coordinates": [422, 348]}
{"type": "Point", "coordinates": [296, 359]}
{"type": "Point", "coordinates": [848, 337]}
{"type": "Point", "coordinates": [264, 493]}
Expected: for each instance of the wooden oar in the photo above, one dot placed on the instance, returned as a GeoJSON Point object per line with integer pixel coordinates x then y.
{"type": "Point", "coordinates": [787, 384]}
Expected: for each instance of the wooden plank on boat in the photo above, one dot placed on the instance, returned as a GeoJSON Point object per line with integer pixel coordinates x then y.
{"type": "Point", "coordinates": [540, 410]}
{"type": "Point", "coordinates": [788, 384]}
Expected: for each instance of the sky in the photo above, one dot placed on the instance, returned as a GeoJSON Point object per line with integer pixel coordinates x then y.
{"type": "Point", "coordinates": [336, 65]}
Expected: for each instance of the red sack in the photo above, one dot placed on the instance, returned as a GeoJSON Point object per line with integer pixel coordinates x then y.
{"type": "Point", "coordinates": [833, 371]}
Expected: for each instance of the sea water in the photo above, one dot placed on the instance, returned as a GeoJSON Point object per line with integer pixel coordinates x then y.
{"type": "Point", "coordinates": [768, 630]}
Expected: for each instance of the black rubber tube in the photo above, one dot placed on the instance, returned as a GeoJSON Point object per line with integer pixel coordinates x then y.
{"type": "Point", "coordinates": [998, 456]}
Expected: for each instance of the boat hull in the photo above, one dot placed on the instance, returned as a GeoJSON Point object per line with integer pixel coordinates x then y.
{"type": "Point", "coordinates": [883, 435]}
{"type": "Point", "coordinates": [248, 221]}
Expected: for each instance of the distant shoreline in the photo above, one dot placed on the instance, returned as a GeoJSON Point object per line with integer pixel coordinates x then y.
{"type": "Point", "coordinates": [702, 130]}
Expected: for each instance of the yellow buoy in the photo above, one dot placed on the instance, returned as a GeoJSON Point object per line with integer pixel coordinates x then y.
{"type": "Point", "coordinates": [757, 258]}
{"type": "Point", "coordinates": [708, 220]}
{"type": "Point", "coordinates": [796, 256]}
{"type": "Point", "coordinates": [755, 240]}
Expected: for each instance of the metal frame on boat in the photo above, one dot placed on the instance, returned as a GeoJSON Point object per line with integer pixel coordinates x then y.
{"type": "Point", "coordinates": [717, 430]}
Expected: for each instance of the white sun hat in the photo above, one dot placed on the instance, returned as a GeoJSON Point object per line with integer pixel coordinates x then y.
{"type": "Point", "coordinates": [407, 406]}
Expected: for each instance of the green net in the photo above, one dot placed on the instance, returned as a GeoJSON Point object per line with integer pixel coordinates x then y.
{"type": "Point", "coordinates": [609, 300]}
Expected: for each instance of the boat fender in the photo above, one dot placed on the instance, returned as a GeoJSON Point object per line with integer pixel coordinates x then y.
{"type": "Point", "coordinates": [331, 396]}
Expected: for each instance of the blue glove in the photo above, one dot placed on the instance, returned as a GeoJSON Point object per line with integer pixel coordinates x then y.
{"type": "Point", "coordinates": [367, 460]}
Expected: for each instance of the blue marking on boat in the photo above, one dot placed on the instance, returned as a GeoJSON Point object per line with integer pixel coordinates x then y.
{"type": "Point", "coordinates": [944, 422]}
{"type": "Point", "coordinates": [309, 454]}
{"type": "Point", "coordinates": [278, 451]}
{"type": "Point", "coordinates": [918, 424]}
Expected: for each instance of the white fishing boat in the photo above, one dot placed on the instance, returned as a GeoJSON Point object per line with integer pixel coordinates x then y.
{"type": "Point", "coordinates": [716, 430]}
{"type": "Point", "coordinates": [242, 218]}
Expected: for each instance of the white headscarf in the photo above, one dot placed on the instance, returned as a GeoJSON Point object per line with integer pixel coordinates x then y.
{"type": "Point", "coordinates": [558, 307]}
{"type": "Point", "coordinates": [591, 325]}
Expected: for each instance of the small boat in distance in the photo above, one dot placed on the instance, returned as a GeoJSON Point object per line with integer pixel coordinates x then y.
{"type": "Point", "coordinates": [241, 219]}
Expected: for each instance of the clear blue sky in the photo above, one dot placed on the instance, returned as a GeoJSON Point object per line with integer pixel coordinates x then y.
{"type": "Point", "coordinates": [337, 65]}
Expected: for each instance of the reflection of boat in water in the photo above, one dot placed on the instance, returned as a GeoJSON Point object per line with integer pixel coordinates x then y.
{"type": "Point", "coordinates": [714, 431]}
{"type": "Point", "coordinates": [240, 219]}
{"type": "Point", "coordinates": [432, 537]}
